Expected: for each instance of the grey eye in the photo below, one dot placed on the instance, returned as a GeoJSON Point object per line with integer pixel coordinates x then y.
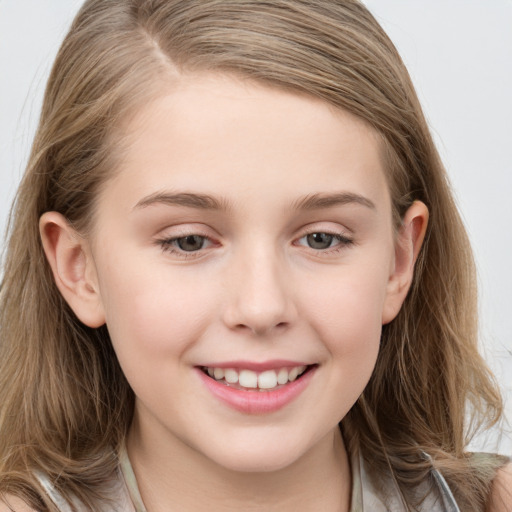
{"type": "Point", "coordinates": [320, 240]}
{"type": "Point", "coordinates": [191, 243]}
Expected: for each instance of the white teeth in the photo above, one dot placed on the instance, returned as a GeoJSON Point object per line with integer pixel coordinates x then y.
{"type": "Point", "coordinates": [293, 374]}
{"type": "Point", "coordinates": [248, 379]}
{"type": "Point", "coordinates": [231, 376]}
{"type": "Point", "coordinates": [282, 376]}
{"type": "Point", "coordinates": [218, 373]}
{"type": "Point", "coordinates": [268, 379]}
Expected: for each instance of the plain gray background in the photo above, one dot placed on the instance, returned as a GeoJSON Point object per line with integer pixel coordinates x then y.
{"type": "Point", "coordinates": [459, 54]}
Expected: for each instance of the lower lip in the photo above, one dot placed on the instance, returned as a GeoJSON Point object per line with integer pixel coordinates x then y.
{"type": "Point", "coordinates": [258, 402]}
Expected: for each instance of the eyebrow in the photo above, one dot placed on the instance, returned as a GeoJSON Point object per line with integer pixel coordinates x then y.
{"type": "Point", "coordinates": [208, 202]}
{"type": "Point", "coordinates": [198, 201]}
{"type": "Point", "coordinates": [319, 201]}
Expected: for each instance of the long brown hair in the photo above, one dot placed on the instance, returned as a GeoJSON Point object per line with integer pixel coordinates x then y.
{"type": "Point", "coordinates": [65, 405]}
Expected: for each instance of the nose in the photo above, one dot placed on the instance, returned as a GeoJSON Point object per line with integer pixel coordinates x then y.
{"type": "Point", "coordinates": [260, 295]}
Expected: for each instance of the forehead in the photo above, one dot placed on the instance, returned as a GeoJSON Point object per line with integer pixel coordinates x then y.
{"type": "Point", "coordinates": [220, 134]}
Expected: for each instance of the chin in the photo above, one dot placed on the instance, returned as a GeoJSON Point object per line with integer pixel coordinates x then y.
{"type": "Point", "coordinates": [257, 457]}
{"type": "Point", "coordinates": [268, 464]}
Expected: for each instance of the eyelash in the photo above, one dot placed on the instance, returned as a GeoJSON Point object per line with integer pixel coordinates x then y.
{"type": "Point", "coordinates": [170, 245]}
{"type": "Point", "coordinates": [343, 242]}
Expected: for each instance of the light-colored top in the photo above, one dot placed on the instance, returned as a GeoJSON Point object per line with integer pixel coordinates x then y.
{"type": "Point", "coordinates": [364, 496]}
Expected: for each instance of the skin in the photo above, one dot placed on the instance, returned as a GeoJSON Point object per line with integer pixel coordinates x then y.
{"type": "Point", "coordinates": [255, 291]}
{"type": "Point", "coordinates": [501, 492]}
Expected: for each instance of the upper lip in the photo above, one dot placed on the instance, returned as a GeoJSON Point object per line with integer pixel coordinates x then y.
{"type": "Point", "coordinates": [255, 365]}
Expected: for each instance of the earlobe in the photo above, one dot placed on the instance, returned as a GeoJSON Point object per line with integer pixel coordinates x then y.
{"type": "Point", "coordinates": [407, 248]}
{"type": "Point", "coordinates": [73, 269]}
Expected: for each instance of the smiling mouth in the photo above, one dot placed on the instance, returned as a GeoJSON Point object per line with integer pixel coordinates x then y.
{"type": "Point", "coordinates": [249, 380]}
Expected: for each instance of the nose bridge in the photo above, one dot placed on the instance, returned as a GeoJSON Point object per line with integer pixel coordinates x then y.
{"type": "Point", "coordinates": [260, 297]}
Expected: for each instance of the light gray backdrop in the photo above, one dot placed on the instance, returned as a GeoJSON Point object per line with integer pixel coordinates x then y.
{"type": "Point", "coordinates": [459, 53]}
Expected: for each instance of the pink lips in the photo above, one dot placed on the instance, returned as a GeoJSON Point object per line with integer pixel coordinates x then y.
{"type": "Point", "coordinates": [255, 401]}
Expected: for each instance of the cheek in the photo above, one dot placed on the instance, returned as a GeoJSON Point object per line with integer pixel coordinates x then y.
{"type": "Point", "coordinates": [152, 313]}
{"type": "Point", "coordinates": [347, 317]}
{"type": "Point", "coordinates": [349, 310]}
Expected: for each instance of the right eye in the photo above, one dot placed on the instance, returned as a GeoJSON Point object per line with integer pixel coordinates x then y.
{"type": "Point", "coordinates": [190, 243]}
{"type": "Point", "coordinates": [185, 245]}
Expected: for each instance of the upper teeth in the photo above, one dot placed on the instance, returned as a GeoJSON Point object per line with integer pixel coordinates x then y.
{"type": "Point", "coordinates": [249, 379]}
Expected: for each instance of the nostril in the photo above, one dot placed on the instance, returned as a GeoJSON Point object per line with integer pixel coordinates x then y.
{"type": "Point", "coordinates": [262, 329]}
{"type": "Point", "coordinates": [258, 314]}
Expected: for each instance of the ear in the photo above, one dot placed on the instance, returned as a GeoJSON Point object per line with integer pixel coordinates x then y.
{"type": "Point", "coordinates": [407, 247]}
{"type": "Point", "coordinates": [73, 268]}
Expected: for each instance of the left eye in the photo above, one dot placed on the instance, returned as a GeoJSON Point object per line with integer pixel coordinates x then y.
{"type": "Point", "coordinates": [320, 241]}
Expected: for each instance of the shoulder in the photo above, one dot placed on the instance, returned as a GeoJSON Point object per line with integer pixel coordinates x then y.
{"type": "Point", "coordinates": [501, 491]}
{"type": "Point", "coordinates": [11, 503]}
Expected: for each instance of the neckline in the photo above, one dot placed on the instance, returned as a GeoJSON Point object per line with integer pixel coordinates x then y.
{"type": "Point", "coordinates": [356, 495]}
{"type": "Point", "coordinates": [130, 480]}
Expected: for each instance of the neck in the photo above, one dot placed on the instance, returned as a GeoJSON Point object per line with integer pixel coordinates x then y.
{"type": "Point", "coordinates": [174, 476]}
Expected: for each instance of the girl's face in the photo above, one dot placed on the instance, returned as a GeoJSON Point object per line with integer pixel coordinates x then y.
{"type": "Point", "coordinates": [245, 239]}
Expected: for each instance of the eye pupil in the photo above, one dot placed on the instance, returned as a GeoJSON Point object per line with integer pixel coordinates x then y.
{"type": "Point", "coordinates": [320, 240]}
{"type": "Point", "coordinates": [190, 243]}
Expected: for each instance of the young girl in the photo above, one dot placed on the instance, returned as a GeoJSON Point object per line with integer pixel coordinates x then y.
{"type": "Point", "coordinates": [236, 278]}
